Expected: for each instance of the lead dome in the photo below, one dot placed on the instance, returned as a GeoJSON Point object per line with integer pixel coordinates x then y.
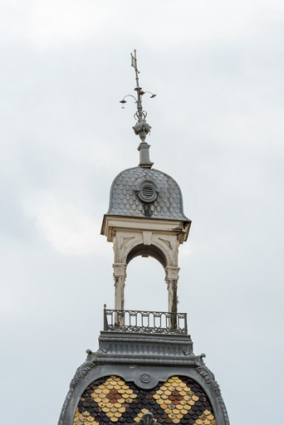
{"type": "Point", "coordinates": [142, 192]}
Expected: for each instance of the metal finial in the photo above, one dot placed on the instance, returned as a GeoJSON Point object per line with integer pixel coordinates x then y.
{"type": "Point", "coordinates": [141, 128]}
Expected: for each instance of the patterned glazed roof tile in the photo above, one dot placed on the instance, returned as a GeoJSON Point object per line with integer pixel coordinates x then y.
{"type": "Point", "coordinates": [125, 201]}
{"type": "Point", "coordinates": [112, 400]}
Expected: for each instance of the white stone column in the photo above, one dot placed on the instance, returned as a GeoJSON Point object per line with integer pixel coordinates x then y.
{"type": "Point", "coordinates": [172, 283]}
{"type": "Point", "coordinates": [119, 274]}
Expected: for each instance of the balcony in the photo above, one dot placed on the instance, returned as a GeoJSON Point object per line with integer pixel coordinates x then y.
{"type": "Point", "coordinates": [147, 322]}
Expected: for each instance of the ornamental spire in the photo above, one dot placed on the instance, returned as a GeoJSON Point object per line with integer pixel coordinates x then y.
{"type": "Point", "coordinates": [141, 128]}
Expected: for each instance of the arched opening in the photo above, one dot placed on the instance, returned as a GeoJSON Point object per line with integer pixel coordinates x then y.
{"type": "Point", "coordinates": [145, 287]}
{"type": "Point", "coordinates": [147, 251]}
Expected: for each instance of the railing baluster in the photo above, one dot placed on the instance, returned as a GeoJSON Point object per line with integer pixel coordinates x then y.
{"type": "Point", "coordinates": [145, 321]}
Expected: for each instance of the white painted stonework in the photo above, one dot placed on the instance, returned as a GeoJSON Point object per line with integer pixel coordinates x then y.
{"type": "Point", "coordinates": [133, 236]}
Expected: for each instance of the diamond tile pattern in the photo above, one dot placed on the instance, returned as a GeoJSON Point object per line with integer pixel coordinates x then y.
{"type": "Point", "coordinates": [124, 200]}
{"type": "Point", "coordinates": [110, 400]}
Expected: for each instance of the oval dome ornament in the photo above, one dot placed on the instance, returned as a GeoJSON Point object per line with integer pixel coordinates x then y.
{"type": "Point", "coordinates": [147, 191]}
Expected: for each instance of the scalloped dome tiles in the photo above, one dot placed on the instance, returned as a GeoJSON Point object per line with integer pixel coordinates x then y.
{"type": "Point", "coordinates": [125, 201]}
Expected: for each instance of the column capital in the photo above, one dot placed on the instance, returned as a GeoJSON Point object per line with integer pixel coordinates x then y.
{"type": "Point", "coordinates": [119, 270]}
{"type": "Point", "coordinates": [172, 273]}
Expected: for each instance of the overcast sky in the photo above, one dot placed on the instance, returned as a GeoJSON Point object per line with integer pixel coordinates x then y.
{"type": "Point", "coordinates": [217, 128]}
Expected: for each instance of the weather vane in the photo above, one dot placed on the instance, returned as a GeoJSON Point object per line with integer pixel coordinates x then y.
{"type": "Point", "coordinates": [141, 128]}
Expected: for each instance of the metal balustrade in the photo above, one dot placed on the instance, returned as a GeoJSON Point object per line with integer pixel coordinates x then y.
{"type": "Point", "coordinates": [150, 322]}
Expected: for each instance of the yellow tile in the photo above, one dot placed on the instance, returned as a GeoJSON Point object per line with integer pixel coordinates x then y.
{"type": "Point", "coordinates": [117, 414]}
{"type": "Point", "coordinates": [121, 400]}
{"type": "Point", "coordinates": [176, 411]}
{"type": "Point", "coordinates": [106, 391]}
{"type": "Point", "coordinates": [117, 387]}
{"type": "Point", "coordinates": [159, 392]}
{"type": "Point", "coordinates": [121, 409]}
{"type": "Point", "coordinates": [144, 410]}
{"type": "Point", "coordinates": [129, 391]}
{"type": "Point", "coordinates": [168, 411]}
{"type": "Point", "coordinates": [178, 388]}
{"type": "Point", "coordinates": [133, 395]}
{"type": "Point", "coordinates": [90, 419]}
{"type": "Point", "coordinates": [121, 382]}
{"type": "Point", "coordinates": [172, 415]}
{"type": "Point", "coordinates": [167, 401]}
{"type": "Point", "coordinates": [183, 393]}
{"type": "Point", "coordinates": [88, 414]}
{"type": "Point", "coordinates": [176, 421]}
{"type": "Point", "coordinates": [171, 406]}
{"type": "Point", "coordinates": [179, 406]}
{"type": "Point", "coordinates": [125, 387]}
{"type": "Point", "coordinates": [191, 402]}
{"type": "Point", "coordinates": [168, 393]}
{"type": "Point", "coordinates": [179, 416]}
{"type": "Point", "coordinates": [124, 395]}
{"type": "Point", "coordinates": [199, 421]}
{"type": "Point", "coordinates": [182, 384]}
{"type": "Point", "coordinates": [114, 419]}
{"type": "Point", "coordinates": [184, 412]}
{"type": "Point", "coordinates": [207, 412]}
{"type": "Point", "coordinates": [210, 417]}
{"type": "Point", "coordinates": [195, 398]}
{"type": "Point", "coordinates": [98, 391]}
{"type": "Point", "coordinates": [137, 419]}
{"type": "Point", "coordinates": [164, 397]}
{"type": "Point", "coordinates": [207, 422]}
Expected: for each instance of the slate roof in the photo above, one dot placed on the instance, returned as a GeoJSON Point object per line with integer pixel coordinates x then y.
{"type": "Point", "coordinates": [125, 202]}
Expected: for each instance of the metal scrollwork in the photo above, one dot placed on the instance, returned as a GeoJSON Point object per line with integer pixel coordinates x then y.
{"type": "Point", "coordinates": [81, 372]}
{"type": "Point", "coordinates": [209, 378]}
